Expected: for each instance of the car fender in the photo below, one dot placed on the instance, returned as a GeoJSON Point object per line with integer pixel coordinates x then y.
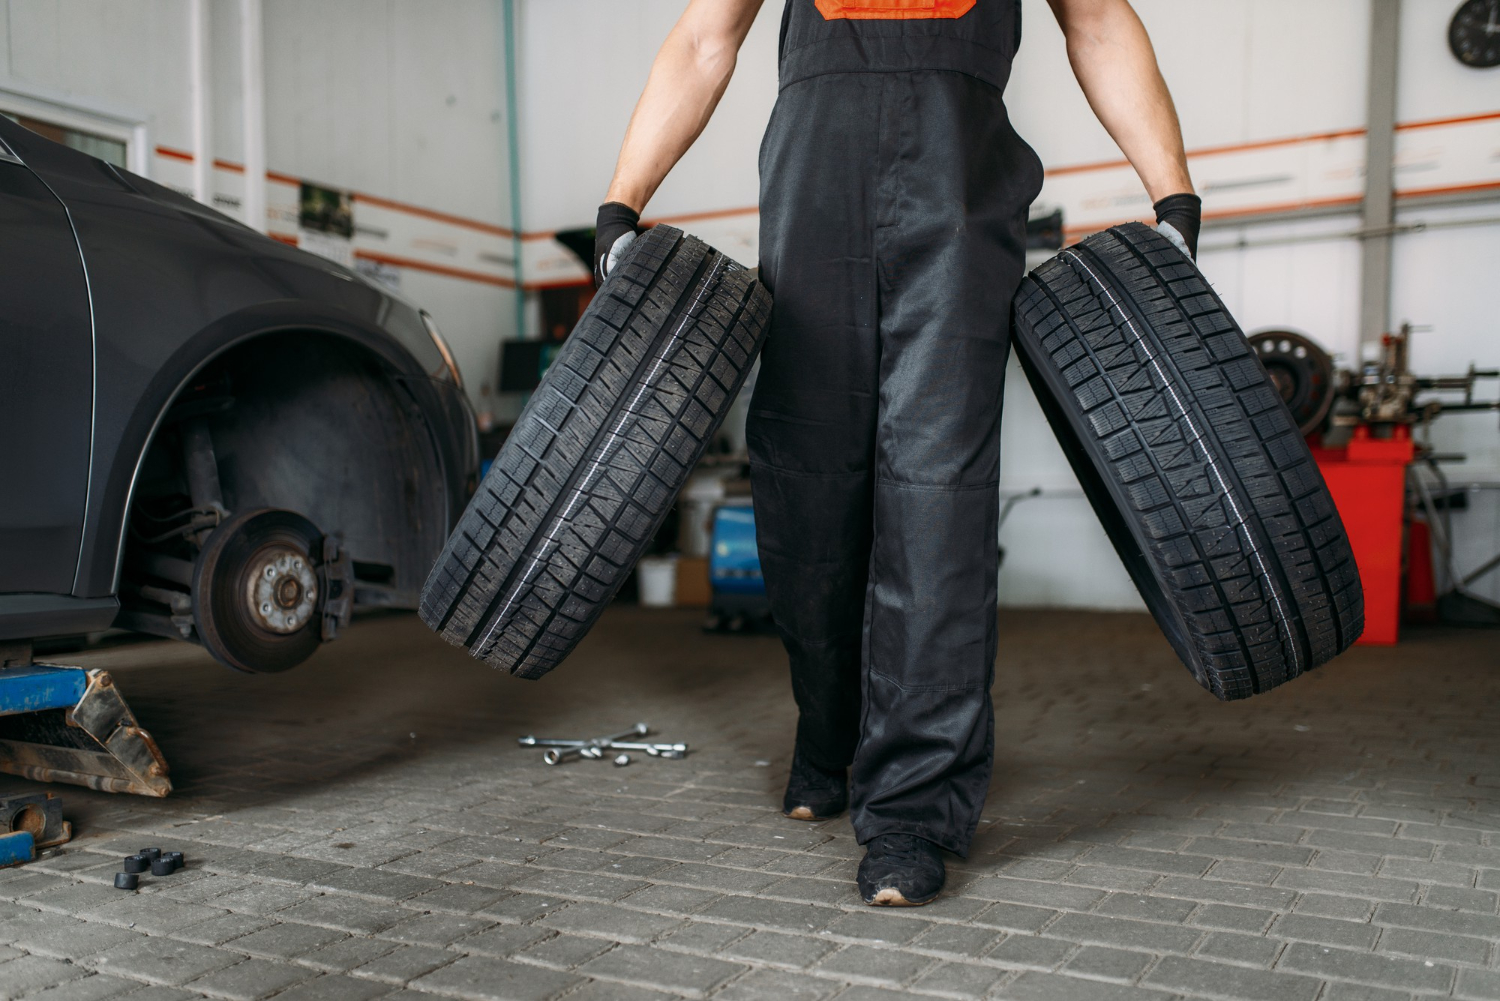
{"type": "Point", "coordinates": [442, 406]}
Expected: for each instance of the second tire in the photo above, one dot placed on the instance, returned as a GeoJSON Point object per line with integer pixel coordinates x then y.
{"type": "Point", "coordinates": [1191, 460]}
{"type": "Point", "coordinates": [596, 459]}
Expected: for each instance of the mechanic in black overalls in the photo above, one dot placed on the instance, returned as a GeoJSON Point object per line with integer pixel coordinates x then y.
{"type": "Point", "coordinates": [894, 196]}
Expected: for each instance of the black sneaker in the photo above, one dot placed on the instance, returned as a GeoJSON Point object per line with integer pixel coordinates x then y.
{"type": "Point", "coordinates": [901, 870]}
{"type": "Point", "coordinates": [815, 794]}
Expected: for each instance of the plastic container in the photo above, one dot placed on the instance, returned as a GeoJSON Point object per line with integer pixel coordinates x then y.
{"type": "Point", "coordinates": [656, 579]}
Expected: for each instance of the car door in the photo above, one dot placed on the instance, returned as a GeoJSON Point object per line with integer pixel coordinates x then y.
{"type": "Point", "coordinates": [46, 385]}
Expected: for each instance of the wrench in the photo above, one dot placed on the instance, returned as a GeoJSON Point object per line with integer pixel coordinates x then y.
{"type": "Point", "coordinates": [639, 730]}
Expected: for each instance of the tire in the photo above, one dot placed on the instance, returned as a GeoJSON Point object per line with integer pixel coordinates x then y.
{"type": "Point", "coordinates": [1191, 460]}
{"type": "Point", "coordinates": [597, 457]}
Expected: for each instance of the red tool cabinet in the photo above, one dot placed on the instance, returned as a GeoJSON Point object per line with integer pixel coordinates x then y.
{"type": "Point", "coordinates": [1367, 479]}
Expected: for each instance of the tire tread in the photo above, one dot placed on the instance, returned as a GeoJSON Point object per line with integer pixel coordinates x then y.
{"type": "Point", "coordinates": [597, 456]}
{"type": "Point", "coordinates": [1171, 410]}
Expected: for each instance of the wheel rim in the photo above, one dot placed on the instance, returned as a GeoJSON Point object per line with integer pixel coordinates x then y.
{"type": "Point", "coordinates": [1302, 373]}
{"type": "Point", "coordinates": [281, 589]}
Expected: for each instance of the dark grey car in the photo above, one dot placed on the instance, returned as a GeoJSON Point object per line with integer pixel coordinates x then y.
{"type": "Point", "coordinates": [204, 433]}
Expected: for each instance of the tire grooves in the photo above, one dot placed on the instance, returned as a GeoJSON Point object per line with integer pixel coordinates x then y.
{"type": "Point", "coordinates": [1255, 535]}
{"type": "Point", "coordinates": [565, 491]}
{"type": "Point", "coordinates": [715, 259]}
{"type": "Point", "coordinates": [1163, 409]}
{"type": "Point", "coordinates": [1317, 564]}
{"type": "Point", "coordinates": [468, 580]}
{"type": "Point", "coordinates": [1146, 449]}
{"type": "Point", "coordinates": [597, 457]}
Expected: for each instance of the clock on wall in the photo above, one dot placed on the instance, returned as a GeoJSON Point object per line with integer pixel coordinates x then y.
{"type": "Point", "coordinates": [1474, 34]}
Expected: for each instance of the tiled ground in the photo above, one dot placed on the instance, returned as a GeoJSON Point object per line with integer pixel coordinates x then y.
{"type": "Point", "coordinates": [367, 827]}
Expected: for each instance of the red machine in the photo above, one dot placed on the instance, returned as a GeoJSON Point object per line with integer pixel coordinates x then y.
{"type": "Point", "coordinates": [1360, 427]}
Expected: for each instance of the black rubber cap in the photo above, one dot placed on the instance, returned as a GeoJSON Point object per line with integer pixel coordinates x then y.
{"type": "Point", "coordinates": [162, 867]}
{"type": "Point", "coordinates": [151, 853]}
{"type": "Point", "coordinates": [126, 880]}
{"type": "Point", "coordinates": [136, 863]}
{"type": "Point", "coordinates": [176, 857]}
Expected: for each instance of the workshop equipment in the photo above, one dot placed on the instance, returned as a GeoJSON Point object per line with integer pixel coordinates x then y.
{"type": "Point", "coordinates": [158, 862]}
{"type": "Point", "coordinates": [29, 823]}
{"type": "Point", "coordinates": [70, 724]}
{"type": "Point", "coordinates": [738, 589]}
{"type": "Point", "coordinates": [1367, 479]}
{"type": "Point", "coordinates": [560, 749]}
{"type": "Point", "coordinates": [1369, 475]}
{"type": "Point", "coordinates": [40, 815]}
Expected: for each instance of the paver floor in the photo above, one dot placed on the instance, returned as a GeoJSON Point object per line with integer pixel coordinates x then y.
{"type": "Point", "coordinates": [366, 827]}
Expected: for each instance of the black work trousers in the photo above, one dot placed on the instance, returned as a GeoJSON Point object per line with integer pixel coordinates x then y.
{"type": "Point", "coordinates": [892, 238]}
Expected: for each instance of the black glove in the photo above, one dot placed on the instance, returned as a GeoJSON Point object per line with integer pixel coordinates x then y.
{"type": "Point", "coordinates": [616, 227]}
{"type": "Point", "coordinates": [1178, 218]}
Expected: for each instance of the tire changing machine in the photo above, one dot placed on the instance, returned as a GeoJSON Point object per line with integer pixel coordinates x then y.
{"type": "Point", "coordinates": [72, 724]}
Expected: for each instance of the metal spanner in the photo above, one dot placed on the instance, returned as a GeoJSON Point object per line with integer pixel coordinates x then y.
{"type": "Point", "coordinates": [564, 749]}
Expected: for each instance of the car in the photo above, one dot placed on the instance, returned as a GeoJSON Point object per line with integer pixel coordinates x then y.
{"type": "Point", "coordinates": [207, 434]}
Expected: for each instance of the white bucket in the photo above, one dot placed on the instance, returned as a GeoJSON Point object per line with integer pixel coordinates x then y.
{"type": "Point", "coordinates": [656, 577]}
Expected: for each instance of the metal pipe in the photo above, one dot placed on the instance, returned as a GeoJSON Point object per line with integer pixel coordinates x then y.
{"type": "Point", "coordinates": [1378, 208]}
{"type": "Point", "coordinates": [201, 100]}
{"type": "Point", "coordinates": [253, 111]}
{"type": "Point", "coordinates": [1399, 229]}
{"type": "Point", "coordinates": [513, 154]}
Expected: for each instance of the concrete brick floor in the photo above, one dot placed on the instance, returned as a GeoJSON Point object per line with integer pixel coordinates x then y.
{"type": "Point", "coordinates": [366, 827]}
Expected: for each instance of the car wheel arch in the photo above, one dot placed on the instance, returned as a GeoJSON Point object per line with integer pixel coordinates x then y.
{"type": "Point", "coordinates": [408, 389]}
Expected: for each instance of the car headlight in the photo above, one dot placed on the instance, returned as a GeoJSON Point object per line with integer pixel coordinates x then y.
{"type": "Point", "coordinates": [442, 346]}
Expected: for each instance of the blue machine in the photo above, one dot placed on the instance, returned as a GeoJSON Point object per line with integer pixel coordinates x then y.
{"type": "Point", "coordinates": [739, 591]}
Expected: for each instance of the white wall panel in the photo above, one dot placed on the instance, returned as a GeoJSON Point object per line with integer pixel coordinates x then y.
{"type": "Point", "coordinates": [127, 53]}
{"type": "Point", "coordinates": [584, 63]}
{"type": "Point", "coordinates": [4, 42]}
{"type": "Point", "coordinates": [1056, 553]}
{"type": "Point", "coordinates": [1432, 83]}
{"type": "Point", "coordinates": [404, 100]}
{"type": "Point", "coordinates": [399, 99]}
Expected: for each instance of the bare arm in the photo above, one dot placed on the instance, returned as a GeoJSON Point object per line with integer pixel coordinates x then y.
{"type": "Point", "coordinates": [687, 79]}
{"type": "Point", "coordinates": [1115, 65]}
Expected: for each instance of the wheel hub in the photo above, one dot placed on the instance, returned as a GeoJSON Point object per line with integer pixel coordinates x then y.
{"type": "Point", "coordinates": [282, 590]}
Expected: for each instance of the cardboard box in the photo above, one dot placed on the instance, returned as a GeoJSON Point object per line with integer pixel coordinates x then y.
{"type": "Point", "coordinates": [693, 589]}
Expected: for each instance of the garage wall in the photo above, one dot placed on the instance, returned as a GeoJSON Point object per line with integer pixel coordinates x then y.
{"type": "Point", "coordinates": [1283, 73]}
{"type": "Point", "coordinates": [402, 101]}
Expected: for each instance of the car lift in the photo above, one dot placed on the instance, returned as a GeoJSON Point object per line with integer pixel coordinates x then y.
{"type": "Point", "coordinates": [71, 724]}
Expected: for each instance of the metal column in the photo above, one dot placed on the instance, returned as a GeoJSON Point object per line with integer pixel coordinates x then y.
{"type": "Point", "coordinates": [253, 110]}
{"type": "Point", "coordinates": [1380, 150]}
{"type": "Point", "coordinates": [202, 101]}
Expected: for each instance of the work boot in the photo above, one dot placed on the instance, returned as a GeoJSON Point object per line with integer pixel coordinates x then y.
{"type": "Point", "coordinates": [813, 793]}
{"type": "Point", "coordinates": [900, 870]}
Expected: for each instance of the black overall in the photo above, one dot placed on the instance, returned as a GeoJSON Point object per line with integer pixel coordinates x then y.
{"type": "Point", "coordinates": [893, 229]}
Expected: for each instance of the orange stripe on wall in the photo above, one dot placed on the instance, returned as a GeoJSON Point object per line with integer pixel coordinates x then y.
{"type": "Point", "coordinates": [483, 227]}
{"type": "Point", "coordinates": [1080, 168]}
{"type": "Point", "coordinates": [437, 269]}
{"type": "Point", "coordinates": [1456, 189]}
{"type": "Point", "coordinates": [1310, 203]}
{"type": "Point", "coordinates": [1460, 119]}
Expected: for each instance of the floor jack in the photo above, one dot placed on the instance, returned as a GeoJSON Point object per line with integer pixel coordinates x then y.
{"type": "Point", "coordinates": [71, 724]}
